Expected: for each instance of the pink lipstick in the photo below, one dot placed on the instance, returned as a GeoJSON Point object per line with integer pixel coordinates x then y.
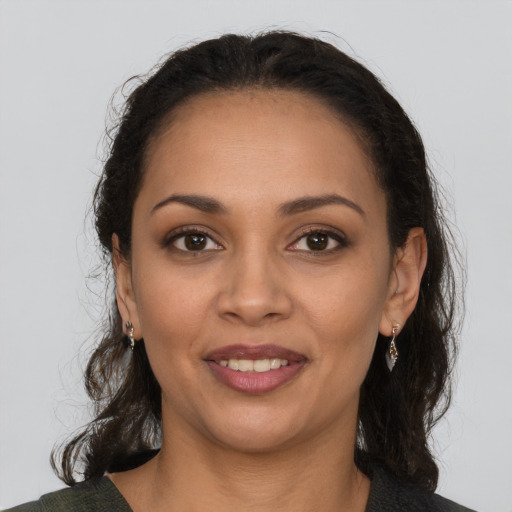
{"type": "Point", "coordinates": [254, 369]}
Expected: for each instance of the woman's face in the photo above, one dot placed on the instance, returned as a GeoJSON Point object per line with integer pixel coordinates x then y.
{"type": "Point", "coordinates": [259, 242]}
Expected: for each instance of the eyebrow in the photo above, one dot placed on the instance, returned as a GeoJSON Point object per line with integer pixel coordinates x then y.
{"type": "Point", "coordinates": [202, 203]}
{"type": "Point", "coordinates": [302, 204]}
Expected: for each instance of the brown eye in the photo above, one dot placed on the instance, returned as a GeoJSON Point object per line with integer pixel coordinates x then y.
{"type": "Point", "coordinates": [317, 241]}
{"type": "Point", "coordinates": [195, 242]}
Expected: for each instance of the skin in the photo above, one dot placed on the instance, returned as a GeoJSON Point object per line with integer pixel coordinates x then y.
{"type": "Point", "coordinates": [258, 281]}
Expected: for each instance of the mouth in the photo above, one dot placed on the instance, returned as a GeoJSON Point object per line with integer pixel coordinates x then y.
{"type": "Point", "coordinates": [255, 369]}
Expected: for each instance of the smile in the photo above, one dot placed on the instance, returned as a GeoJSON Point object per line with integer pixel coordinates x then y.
{"type": "Point", "coordinates": [259, 365]}
{"type": "Point", "coordinates": [255, 369]}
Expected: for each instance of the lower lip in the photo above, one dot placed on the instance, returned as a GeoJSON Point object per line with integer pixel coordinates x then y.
{"type": "Point", "coordinates": [255, 383]}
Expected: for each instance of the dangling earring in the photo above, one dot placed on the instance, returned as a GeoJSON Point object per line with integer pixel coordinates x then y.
{"type": "Point", "coordinates": [392, 353]}
{"type": "Point", "coordinates": [131, 339]}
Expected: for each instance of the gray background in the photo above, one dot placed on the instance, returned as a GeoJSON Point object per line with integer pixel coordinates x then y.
{"type": "Point", "coordinates": [448, 62]}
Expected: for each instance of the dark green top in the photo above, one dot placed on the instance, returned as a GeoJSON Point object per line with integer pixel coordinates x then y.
{"type": "Point", "coordinates": [386, 495]}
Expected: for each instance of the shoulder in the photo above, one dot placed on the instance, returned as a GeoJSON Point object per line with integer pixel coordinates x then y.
{"type": "Point", "coordinates": [387, 494]}
{"type": "Point", "coordinates": [93, 496]}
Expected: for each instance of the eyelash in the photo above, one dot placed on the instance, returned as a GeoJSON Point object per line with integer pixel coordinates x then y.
{"type": "Point", "coordinates": [181, 233]}
{"type": "Point", "coordinates": [338, 237]}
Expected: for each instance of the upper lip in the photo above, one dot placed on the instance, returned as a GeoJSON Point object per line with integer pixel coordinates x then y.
{"type": "Point", "coordinates": [253, 352]}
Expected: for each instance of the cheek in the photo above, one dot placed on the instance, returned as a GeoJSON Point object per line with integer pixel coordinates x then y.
{"type": "Point", "coordinates": [354, 294]}
{"type": "Point", "coordinates": [344, 310]}
{"type": "Point", "coordinates": [172, 317]}
{"type": "Point", "coordinates": [172, 309]}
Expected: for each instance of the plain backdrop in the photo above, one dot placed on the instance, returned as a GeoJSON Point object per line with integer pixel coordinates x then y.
{"type": "Point", "coordinates": [448, 62]}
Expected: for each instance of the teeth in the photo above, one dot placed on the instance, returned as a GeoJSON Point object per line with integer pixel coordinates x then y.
{"type": "Point", "coordinates": [258, 365]}
{"type": "Point", "coordinates": [262, 365]}
{"type": "Point", "coordinates": [245, 365]}
{"type": "Point", "coordinates": [275, 363]}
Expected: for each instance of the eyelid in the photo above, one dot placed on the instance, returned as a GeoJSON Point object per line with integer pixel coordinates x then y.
{"type": "Point", "coordinates": [331, 232]}
{"type": "Point", "coordinates": [182, 231]}
{"type": "Point", "coordinates": [336, 234]}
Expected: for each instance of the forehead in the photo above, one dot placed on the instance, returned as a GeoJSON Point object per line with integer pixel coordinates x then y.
{"type": "Point", "coordinates": [260, 143]}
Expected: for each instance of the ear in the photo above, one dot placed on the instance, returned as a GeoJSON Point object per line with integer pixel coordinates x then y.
{"type": "Point", "coordinates": [404, 283]}
{"type": "Point", "coordinates": [125, 295]}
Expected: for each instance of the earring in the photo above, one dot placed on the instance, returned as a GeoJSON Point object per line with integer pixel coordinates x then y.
{"type": "Point", "coordinates": [392, 353]}
{"type": "Point", "coordinates": [131, 339]}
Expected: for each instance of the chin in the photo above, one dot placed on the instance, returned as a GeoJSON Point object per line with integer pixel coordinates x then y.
{"type": "Point", "coordinates": [255, 433]}
{"type": "Point", "coordinates": [257, 442]}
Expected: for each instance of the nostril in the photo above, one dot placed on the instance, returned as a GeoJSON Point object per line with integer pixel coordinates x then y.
{"type": "Point", "coordinates": [253, 311]}
{"type": "Point", "coordinates": [254, 290]}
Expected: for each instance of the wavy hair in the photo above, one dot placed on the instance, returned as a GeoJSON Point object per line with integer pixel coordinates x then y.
{"type": "Point", "coordinates": [397, 411]}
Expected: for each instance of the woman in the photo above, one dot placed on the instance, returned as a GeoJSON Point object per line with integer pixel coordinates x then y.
{"type": "Point", "coordinates": [282, 333]}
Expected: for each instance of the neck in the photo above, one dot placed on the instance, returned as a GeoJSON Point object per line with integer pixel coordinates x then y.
{"type": "Point", "coordinates": [194, 474]}
{"type": "Point", "coordinates": [261, 482]}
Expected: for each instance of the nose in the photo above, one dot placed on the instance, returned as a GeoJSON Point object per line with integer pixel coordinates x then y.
{"type": "Point", "coordinates": [254, 290]}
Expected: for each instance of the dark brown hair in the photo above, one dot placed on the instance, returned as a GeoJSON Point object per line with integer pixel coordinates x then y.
{"type": "Point", "coordinates": [397, 410]}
